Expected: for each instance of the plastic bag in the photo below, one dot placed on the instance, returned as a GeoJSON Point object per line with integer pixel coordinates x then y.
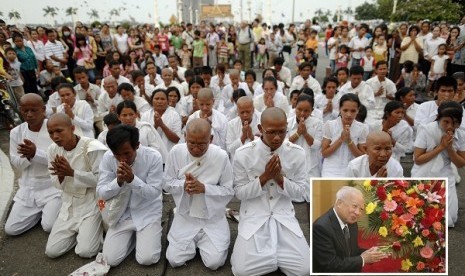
{"type": "Point", "coordinates": [99, 267]}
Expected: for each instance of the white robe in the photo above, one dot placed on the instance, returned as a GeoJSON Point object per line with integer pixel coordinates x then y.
{"type": "Point", "coordinates": [171, 119]}
{"type": "Point", "coordinates": [266, 210]}
{"type": "Point", "coordinates": [312, 153]}
{"type": "Point", "coordinates": [320, 103]}
{"type": "Point", "coordinates": [234, 133]}
{"type": "Point", "coordinates": [83, 118]}
{"type": "Point", "coordinates": [219, 127]}
{"type": "Point", "coordinates": [172, 84]}
{"type": "Point", "coordinates": [380, 101]}
{"type": "Point", "coordinates": [259, 89]}
{"type": "Point", "coordinates": [105, 103]}
{"type": "Point", "coordinates": [363, 91]}
{"type": "Point", "coordinates": [402, 133]}
{"type": "Point", "coordinates": [298, 83]}
{"type": "Point", "coordinates": [279, 101]}
{"type": "Point", "coordinates": [141, 104]}
{"type": "Point", "coordinates": [149, 137]}
{"type": "Point", "coordinates": [227, 93]}
{"type": "Point", "coordinates": [201, 212]}
{"type": "Point", "coordinates": [359, 167]}
{"type": "Point", "coordinates": [336, 164]}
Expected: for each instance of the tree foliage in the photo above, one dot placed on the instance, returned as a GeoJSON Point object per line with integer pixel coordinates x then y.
{"type": "Point", "coordinates": [366, 11]}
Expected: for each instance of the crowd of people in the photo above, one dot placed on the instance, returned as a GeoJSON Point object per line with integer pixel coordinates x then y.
{"type": "Point", "coordinates": [114, 119]}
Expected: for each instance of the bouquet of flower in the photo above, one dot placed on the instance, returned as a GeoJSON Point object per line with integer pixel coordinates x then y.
{"type": "Point", "coordinates": [408, 217]}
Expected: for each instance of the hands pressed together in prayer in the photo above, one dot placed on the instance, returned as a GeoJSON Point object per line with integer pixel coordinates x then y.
{"type": "Point", "coordinates": [246, 131]}
{"type": "Point", "coordinates": [61, 168]}
{"type": "Point", "coordinates": [124, 173]}
{"type": "Point", "coordinates": [27, 149]}
{"type": "Point", "coordinates": [68, 110]}
{"type": "Point", "coordinates": [192, 186]}
{"type": "Point", "coordinates": [374, 255]}
{"type": "Point", "coordinates": [273, 171]}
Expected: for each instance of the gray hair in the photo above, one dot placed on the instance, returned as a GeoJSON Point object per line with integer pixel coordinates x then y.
{"type": "Point", "coordinates": [345, 191]}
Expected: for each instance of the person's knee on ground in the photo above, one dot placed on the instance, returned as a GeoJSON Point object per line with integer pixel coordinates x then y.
{"type": "Point", "coordinates": [86, 252]}
{"type": "Point", "coordinates": [214, 261]}
{"type": "Point", "coordinates": [175, 259]}
{"type": "Point", "coordinates": [148, 259]}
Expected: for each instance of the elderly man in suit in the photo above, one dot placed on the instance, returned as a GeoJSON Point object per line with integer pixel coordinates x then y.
{"type": "Point", "coordinates": [335, 244]}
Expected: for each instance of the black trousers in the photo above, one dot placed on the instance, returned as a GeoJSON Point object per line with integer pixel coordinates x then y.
{"type": "Point", "coordinates": [30, 81]}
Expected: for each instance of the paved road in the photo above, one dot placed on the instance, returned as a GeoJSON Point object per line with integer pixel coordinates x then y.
{"type": "Point", "coordinates": [24, 255]}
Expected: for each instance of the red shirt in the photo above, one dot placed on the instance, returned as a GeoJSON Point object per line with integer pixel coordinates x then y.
{"type": "Point", "coordinates": [164, 42]}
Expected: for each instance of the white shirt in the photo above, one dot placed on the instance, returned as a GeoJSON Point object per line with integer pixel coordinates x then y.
{"type": "Point", "coordinates": [381, 100]}
{"type": "Point", "coordinates": [145, 203]}
{"type": "Point", "coordinates": [357, 42]}
{"type": "Point", "coordinates": [141, 104]}
{"type": "Point", "coordinates": [122, 42]}
{"type": "Point", "coordinates": [149, 137]}
{"type": "Point", "coordinates": [160, 61]}
{"type": "Point", "coordinates": [260, 204]}
{"type": "Point", "coordinates": [285, 75]}
{"type": "Point", "coordinates": [298, 83]}
{"type": "Point", "coordinates": [430, 46]}
{"type": "Point", "coordinates": [158, 80]}
{"type": "Point", "coordinates": [119, 80]}
{"type": "Point", "coordinates": [93, 90]}
{"type": "Point", "coordinates": [35, 183]}
{"type": "Point", "coordinates": [335, 164]}
{"type": "Point", "coordinates": [83, 118]}
{"type": "Point", "coordinates": [216, 81]}
{"type": "Point", "coordinates": [321, 102]}
{"type": "Point", "coordinates": [227, 94]}
{"type": "Point", "coordinates": [219, 127]}
{"type": "Point", "coordinates": [279, 101]}
{"type": "Point", "coordinates": [105, 102]}
{"type": "Point", "coordinates": [360, 167]}
{"type": "Point", "coordinates": [148, 90]}
{"type": "Point", "coordinates": [172, 84]}
{"type": "Point", "coordinates": [234, 133]}
{"type": "Point", "coordinates": [180, 73]}
{"type": "Point", "coordinates": [38, 48]}
{"type": "Point", "coordinates": [259, 89]}
{"type": "Point", "coordinates": [363, 91]}
{"type": "Point", "coordinates": [171, 119]}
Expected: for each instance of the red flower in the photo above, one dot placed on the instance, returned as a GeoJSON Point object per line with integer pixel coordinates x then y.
{"type": "Point", "coordinates": [381, 193]}
{"type": "Point", "coordinates": [374, 182]}
{"type": "Point", "coordinates": [410, 224]}
{"type": "Point", "coordinates": [426, 252]}
{"type": "Point", "coordinates": [434, 263]}
{"type": "Point", "coordinates": [425, 233]}
{"type": "Point", "coordinates": [432, 236]}
{"type": "Point", "coordinates": [399, 210]}
{"type": "Point", "coordinates": [420, 266]}
{"type": "Point", "coordinates": [396, 246]}
{"type": "Point", "coordinates": [384, 215]}
{"type": "Point", "coordinates": [401, 183]}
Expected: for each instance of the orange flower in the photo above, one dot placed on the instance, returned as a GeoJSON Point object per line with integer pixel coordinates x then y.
{"type": "Point", "coordinates": [412, 202]}
{"type": "Point", "coordinates": [425, 232]}
{"type": "Point", "coordinates": [397, 222]}
{"type": "Point", "coordinates": [437, 226]}
{"type": "Point", "coordinates": [395, 193]}
{"type": "Point", "coordinates": [413, 210]}
{"type": "Point", "coordinates": [420, 266]}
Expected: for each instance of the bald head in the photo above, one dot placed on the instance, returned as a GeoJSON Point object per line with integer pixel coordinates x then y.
{"type": "Point", "coordinates": [205, 94]}
{"type": "Point", "coordinates": [233, 72]}
{"type": "Point", "coordinates": [198, 126]}
{"type": "Point", "coordinates": [244, 101]}
{"type": "Point", "coordinates": [378, 137]}
{"type": "Point", "coordinates": [32, 99]}
{"type": "Point", "coordinates": [60, 118]}
{"type": "Point", "coordinates": [272, 114]}
{"type": "Point", "coordinates": [109, 80]}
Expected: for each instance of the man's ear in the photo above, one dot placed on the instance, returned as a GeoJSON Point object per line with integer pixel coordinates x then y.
{"type": "Point", "coordinates": [260, 128]}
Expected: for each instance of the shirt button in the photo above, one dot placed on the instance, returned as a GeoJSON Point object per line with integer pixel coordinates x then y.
{"type": "Point", "coordinates": [271, 198]}
{"type": "Point", "coordinates": [271, 213]}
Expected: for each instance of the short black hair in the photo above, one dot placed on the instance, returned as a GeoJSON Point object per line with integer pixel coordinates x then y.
{"type": "Point", "coordinates": [127, 87]}
{"type": "Point", "coordinates": [251, 72]}
{"type": "Point", "coordinates": [278, 61]}
{"type": "Point", "coordinates": [307, 91]}
{"type": "Point", "coordinates": [306, 98]}
{"type": "Point", "coordinates": [390, 107]}
{"type": "Point", "coordinates": [137, 73]}
{"type": "Point", "coordinates": [446, 81]}
{"type": "Point", "coordinates": [403, 92]}
{"type": "Point", "coordinates": [66, 85]}
{"type": "Point", "coordinates": [237, 94]}
{"type": "Point", "coordinates": [356, 70]}
{"type": "Point", "coordinates": [206, 70]}
{"type": "Point", "coordinates": [297, 91]}
{"type": "Point", "coordinates": [156, 91]}
{"type": "Point", "coordinates": [56, 81]}
{"type": "Point", "coordinates": [172, 88]}
{"type": "Point", "coordinates": [272, 80]}
{"type": "Point", "coordinates": [121, 134]}
{"type": "Point", "coordinates": [305, 64]}
{"type": "Point", "coordinates": [125, 104]}
{"type": "Point", "coordinates": [189, 73]}
{"type": "Point", "coordinates": [79, 70]}
{"type": "Point", "coordinates": [111, 119]}
{"type": "Point", "coordinates": [381, 62]}
{"type": "Point", "coordinates": [112, 63]}
{"type": "Point", "coordinates": [451, 109]}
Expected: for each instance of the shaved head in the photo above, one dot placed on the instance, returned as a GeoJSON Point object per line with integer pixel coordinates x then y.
{"type": "Point", "coordinates": [199, 126]}
{"type": "Point", "coordinates": [205, 94]}
{"type": "Point", "coordinates": [31, 98]}
{"type": "Point", "coordinates": [273, 114]}
{"type": "Point", "coordinates": [377, 137]}
{"type": "Point", "coordinates": [60, 118]}
{"type": "Point", "coordinates": [109, 80]}
{"type": "Point", "coordinates": [245, 100]}
{"type": "Point", "coordinates": [234, 72]}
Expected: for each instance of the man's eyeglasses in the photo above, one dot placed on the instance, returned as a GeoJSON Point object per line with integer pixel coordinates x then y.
{"type": "Point", "coordinates": [195, 145]}
{"type": "Point", "coordinates": [280, 132]}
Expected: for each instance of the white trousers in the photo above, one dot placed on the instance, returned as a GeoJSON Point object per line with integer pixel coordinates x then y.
{"type": "Point", "coordinates": [123, 238]}
{"type": "Point", "coordinates": [273, 246]}
{"type": "Point", "coordinates": [23, 218]}
{"type": "Point", "coordinates": [86, 235]}
{"type": "Point", "coordinates": [211, 257]}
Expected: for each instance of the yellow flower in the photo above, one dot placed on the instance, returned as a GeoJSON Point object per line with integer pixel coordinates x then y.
{"type": "Point", "coordinates": [389, 196]}
{"type": "Point", "coordinates": [383, 231]}
{"type": "Point", "coordinates": [406, 264]}
{"type": "Point", "coordinates": [405, 230]}
{"type": "Point", "coordinates": [417, 242]}
{"type": "Point", "coordinates": [410, 191]}
{"type": "Point", "coordinates": [367, 185]}
{"type": "Point", "coordinates": [370, 208]}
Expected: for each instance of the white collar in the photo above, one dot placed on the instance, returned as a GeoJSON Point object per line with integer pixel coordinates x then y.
{"type": "Point", "coordinates": [341, 223]}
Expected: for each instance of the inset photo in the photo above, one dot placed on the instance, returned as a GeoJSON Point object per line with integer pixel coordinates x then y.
{"type": "Point", "coordinates": [378, 226]}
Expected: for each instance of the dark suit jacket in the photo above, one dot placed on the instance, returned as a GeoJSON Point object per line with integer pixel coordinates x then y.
{"type": "Point", "coordinates": [330, 253]}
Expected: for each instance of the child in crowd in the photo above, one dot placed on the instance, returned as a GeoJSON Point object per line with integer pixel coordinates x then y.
{"type": "Point", "coordinates": [261, 53]}
{"type": "Point", "coordinates": [380, 49]}
{"type": "Point", "coordinates": [438, 66]}
{"type": "Point", "coordinates": [16, 81]}
{"type": "Point", "coordinates": [368, 63]}
{"type": "Point", "coordinates": [223, 51]}
{"type": "Point", "coordinates": [185, 56]}
{"type": "Point", "coordinates": [198, 48]}
{"type": "Point", "coordinates": [342, 57]}
{"type": "Point", "coordinates": [232, 51]}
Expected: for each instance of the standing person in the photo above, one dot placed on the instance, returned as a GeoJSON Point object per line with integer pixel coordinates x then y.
{"type": "Point", "coordinates": [411, 46]}
{"type": "Point", "coordinates": [384, 90]}
{"type": "Point", "coordinates": [268, 174]}
{"type": "Point", "coordinates": [29, 66]}
{"type": "Point", "coordinates": [213, 39]}
{"type": "Point", "coordinates": [55, 51]}
{"type": "Point", "coordinates": [431, 41]}
{"type": "Point", "coordinates": [332, 46]}
{"type": "Point", "coordinates": [68, 40]}
{"type": "Point", "coordinates": [164, 41]}
{"type": "Point", "coordinates": [129, 166]}
{"type": "Point", "coordinates": [343, 138]}
{"type": "Point", "coordinates": [105, 35]}
{"type": "Point", "coordinates": [198, 46]}
{"type": "Point", "coordinates": [245, 41]}
{"type": "Point", "coordinates": [453, 50]}
{"type": "Point", "coordinates": [438, 146]}
{"type": "Point", "coordinates": [37, 47]}
{"type": "Point", "coordinates": [37, 198]}
{"type": "Point", "coordinates": [358, 43]}
{"type": "Point", "coordinates": [329, 32]}
{"type": "Point", "coordinates": [73, 162]}
{"type": "Point", "coordinates": [83, 55]}
{"type": "Point", "coordinates": [188, 36]}
{"type": "Point", "coordinates": [199, 176]}
{"type": "Point", "coordinates": [14, 73]}
{"type": "Point", "coordinates": [438, 67]}
{"type": "Point", "coordinates": [120, 41]}
{"type": "Point", "coordinates": [335, 236]}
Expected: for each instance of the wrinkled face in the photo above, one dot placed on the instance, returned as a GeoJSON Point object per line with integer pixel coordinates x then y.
{"type": "Point", "coordinates": [115, 70]}
{"type": "Point", "coordinates": [173, 98]}
{"type": "Point", "coordinates": [127, 95]}
{"type": "Point", "coordinates": [379, 152]}
{"type": "Point", "coordinates": [197, 143]}
{"type": "Point", "coordinates": [349, 111]}
{"type": "Point", "coordinates": [32, 112]}
{"type": "Point", "coordinates": [245, 112]}
{"type": "Point", "coordinates": [81, 78]}
{"type": "Point", "coordinates": [205, 106]}
{"type": "Point", "coordinates": [160, 101]}
{"type": "Point", "coordinates": [350, 208]}
{"type": "Point", "coordinates": [356, 79]}
{"type": "Point", "coordinates": [60, 132]}
{"type": "Point", "coordinates": [167, 76]}
{"type": "Point", "coordinates": [445, 93]}
{"type": "Point", "coordinates": [273, 132]}
{"type": "Point", "coordinates": [67, 96]}
{"type": "Point", "coordinates": [111, 87]}
{"type": "Point", "coordinates": [234, 79]}
{"type": "Point", "coordinates": [269, 88]}
{"type": "Point", "coordinates": [303, 110]}
{"type": "Point", "coordinates": [128, 116]}
{"type": "Point", "coordinates": [126, 153]}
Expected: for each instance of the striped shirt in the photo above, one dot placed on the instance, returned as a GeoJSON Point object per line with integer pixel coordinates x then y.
{"type": "Point", "coordinates": [55, 49]}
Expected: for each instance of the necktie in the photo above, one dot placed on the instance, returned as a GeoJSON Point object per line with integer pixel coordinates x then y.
{"type": "Point", "coordinates": [347, 238]}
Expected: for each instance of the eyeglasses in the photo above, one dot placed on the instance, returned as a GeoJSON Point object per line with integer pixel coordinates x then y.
{"type": "Point", "coordinates": [281, 132]}
{"type": "Point", "coordinates": [199, 145]}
